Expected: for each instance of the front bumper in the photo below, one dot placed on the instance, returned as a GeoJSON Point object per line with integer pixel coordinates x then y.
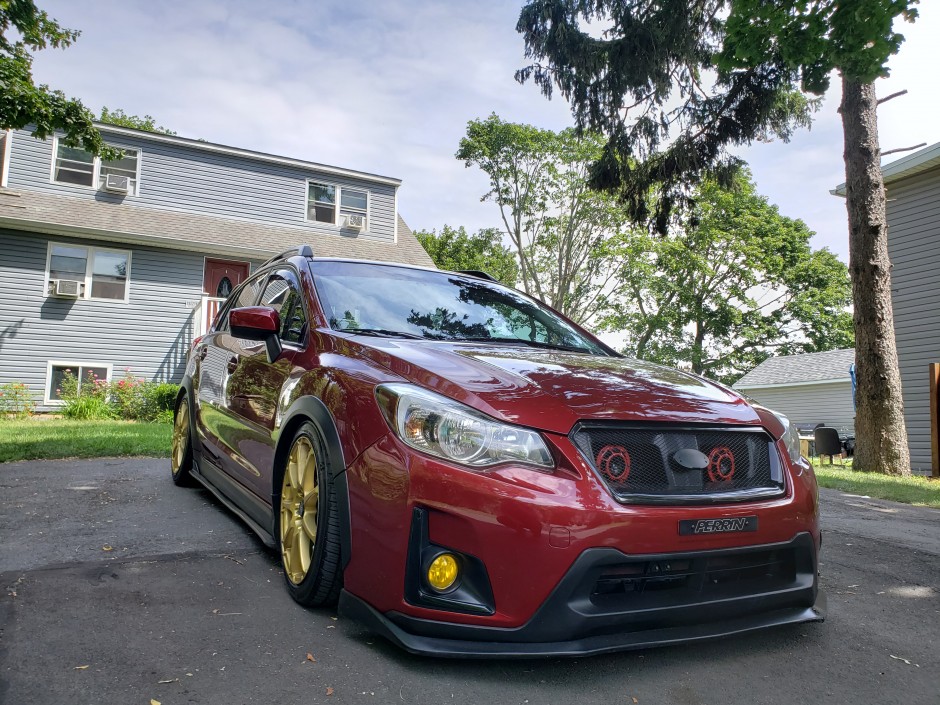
{"type": "Point", "coordinates": [610, 601]}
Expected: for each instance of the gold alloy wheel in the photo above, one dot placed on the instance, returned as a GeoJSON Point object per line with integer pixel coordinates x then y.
{"type": "Point", "coordinates": [180, 438]}
{"type": "Point", "coordinates": [299, 495]}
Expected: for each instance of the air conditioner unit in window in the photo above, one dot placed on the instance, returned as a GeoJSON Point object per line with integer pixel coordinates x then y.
{"type": "Point", "coordinates": [117, 184]}
{"type": "Point", "coordinates": [65, 287]}
{"type": "Point", "coordinates": [355, 222]}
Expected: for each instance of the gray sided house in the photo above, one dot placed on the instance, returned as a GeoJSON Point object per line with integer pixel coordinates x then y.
{"type": "Point", "coordinates": [116, 265]}
{"type": "Point", "coordinates": [913, 192]}
{"type": "Point", "coordinates": [809, 389]}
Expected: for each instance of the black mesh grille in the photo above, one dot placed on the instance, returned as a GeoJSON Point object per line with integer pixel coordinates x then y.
{"type": "Point", "coordinates": [704, 463]}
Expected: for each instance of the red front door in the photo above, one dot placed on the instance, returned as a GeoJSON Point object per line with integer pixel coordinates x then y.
{"type": "Point", "coordinates": [221, 276]}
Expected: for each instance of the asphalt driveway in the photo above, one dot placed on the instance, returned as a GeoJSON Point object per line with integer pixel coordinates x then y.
{"type": "Point", "coordinates": [118, 587]}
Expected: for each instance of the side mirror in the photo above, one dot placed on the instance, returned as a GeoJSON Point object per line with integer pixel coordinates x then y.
{"type": "Point", "coordinates": [258, 323]}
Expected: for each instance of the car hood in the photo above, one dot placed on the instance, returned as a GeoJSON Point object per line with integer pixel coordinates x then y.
{"type": "Point", "coordinates": [552, 390]}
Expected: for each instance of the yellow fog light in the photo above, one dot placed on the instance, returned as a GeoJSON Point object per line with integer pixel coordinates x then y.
{"type": "Point", "coordinates": [442, 573]}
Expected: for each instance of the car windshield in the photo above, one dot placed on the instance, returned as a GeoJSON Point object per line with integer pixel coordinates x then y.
{"type": "Point", "coordinates": [385, 300]}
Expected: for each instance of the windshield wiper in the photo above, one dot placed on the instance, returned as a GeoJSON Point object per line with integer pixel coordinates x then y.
{"type": "Point", "coordinates": [383, 333]}
{"type": "Point", "coordinates": [523, 341]}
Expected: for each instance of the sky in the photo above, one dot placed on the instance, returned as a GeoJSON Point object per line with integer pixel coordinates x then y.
{"type": "Point", "coordinates": [388, 88]}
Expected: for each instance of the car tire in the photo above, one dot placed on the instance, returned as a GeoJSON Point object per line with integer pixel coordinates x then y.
{"type": "Point", "coordinates": [309, 546]}
{"type": "Point", "coordinates": [181, 453]}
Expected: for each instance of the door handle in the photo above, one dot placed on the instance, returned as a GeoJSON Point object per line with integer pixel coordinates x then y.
{"type": "Point", "coordinates": [232, 364]}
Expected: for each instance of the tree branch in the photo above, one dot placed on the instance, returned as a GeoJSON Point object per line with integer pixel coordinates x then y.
{"type": "Point", "coordinates": [903, 149]}
{"type": "Point", "coordinates": [893, 95]}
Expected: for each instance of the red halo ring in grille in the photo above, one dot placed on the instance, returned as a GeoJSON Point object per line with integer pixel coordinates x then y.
{"type": "Point", "coordinates": [720, 464]}
{"type": "Point", "coordinates": [606, 459]}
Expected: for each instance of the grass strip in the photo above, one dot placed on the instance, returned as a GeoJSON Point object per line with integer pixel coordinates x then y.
{"type": "Point", "coordinates": [48, 439]}
{"type": "Point", "coordinates": [922, 491]}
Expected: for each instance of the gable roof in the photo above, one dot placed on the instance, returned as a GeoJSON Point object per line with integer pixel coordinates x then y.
{"type": "Point", "coordinates": [920, 161]}
{"type": "Point", "coordinates": [60, 215]}
{"type": "Point", "coordinates": [809, 368]}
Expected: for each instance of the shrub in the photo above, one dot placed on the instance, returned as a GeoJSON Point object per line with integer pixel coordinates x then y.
{"type": "Point", "coordinates": [87, 407]}
{"type": "Point", "coordinates": [16, 400]}
{"type": "Point", "coordinates": [160, 396]}
{"type": "Point", "coordinates": [129, 398]}
{"type": "Point", "coordinates": [164, 416]}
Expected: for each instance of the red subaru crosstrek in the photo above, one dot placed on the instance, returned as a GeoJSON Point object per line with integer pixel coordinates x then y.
{"type": "Point", "coordinates": [470, 474]}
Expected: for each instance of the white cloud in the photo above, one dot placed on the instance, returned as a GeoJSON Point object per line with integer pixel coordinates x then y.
{"type": "Point", "coordinates": [389, 87]}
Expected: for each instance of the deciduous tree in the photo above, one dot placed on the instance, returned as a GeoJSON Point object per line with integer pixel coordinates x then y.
{"type": "Point", "coordinates": [122, 119]}
{"type": "Point", "coordinates": [562, 231]}
{"type": "Point", "coordinates": [674, 83]}
{"type": "Point", "coordinates": [732, 283]}
{"type": "Point", "coordinates": [24, 29]}
{"type": "Point", "coordinates": [456, 249]}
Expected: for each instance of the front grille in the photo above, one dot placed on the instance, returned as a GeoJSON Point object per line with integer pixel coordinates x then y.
{"type": "Point", "coordinates": [640, 584]}
{"type": "Point", "coordinates": [682, 465]}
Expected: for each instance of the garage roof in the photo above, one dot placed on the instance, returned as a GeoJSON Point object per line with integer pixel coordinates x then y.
{"type": "Point", "coordinates": [810, 368]}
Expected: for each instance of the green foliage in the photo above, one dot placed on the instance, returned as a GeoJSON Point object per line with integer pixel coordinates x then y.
{"type": "Point", "coordinates": [16, 401]}
{"type": "Point", "coordinates": [811, 40]}
{"type": "Point", "coordinates": [641, 83]}
{"type": "Point", "coordinates": [164, 416]}
{"type": "Point", "coordinates": [160, 398]}
{"type": "Point", "coordinates": [731, 284]}
{"type": "Point", "coordinates": [128, 398]}
{"type": "Point", "coordinates": [25, 29]}
{"type": "Point", "coordinates": [560, 229]}
{"type": "Point", "coordinates": [87, 408]}
{"type": "Point", "coordinates": [457, 250]}
{"type": "Point", "coordinates": [119, 117]}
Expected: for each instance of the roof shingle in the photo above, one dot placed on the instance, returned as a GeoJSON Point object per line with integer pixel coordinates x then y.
{"type": "Point", "coordinates": [61, 215]}
{"type": "Point", "coordinates": [832, 365]}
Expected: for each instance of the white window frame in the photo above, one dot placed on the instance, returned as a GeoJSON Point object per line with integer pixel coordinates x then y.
{"type": "Point", "coordinates": [339, 204]}
{"type": "Point", "coordinates": [47, 394]}
{"type": "Point", "coordinates": [96, 183]}
{"type": "Point", "coordinates": [89, 265]}
{"type": "Point", "coordinates": [6, 148]}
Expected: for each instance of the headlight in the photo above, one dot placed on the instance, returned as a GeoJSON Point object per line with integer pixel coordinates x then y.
{"type": "Point", "coordinates": [790, 437]}
{"type": "Point", "coordinates": [440, 426]}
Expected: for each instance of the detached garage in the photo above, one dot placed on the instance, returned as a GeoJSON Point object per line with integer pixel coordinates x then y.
{"type": "Point", "coordinates": [809, 389]}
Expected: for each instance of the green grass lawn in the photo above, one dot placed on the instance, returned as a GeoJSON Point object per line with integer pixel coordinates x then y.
{"type": "Point", "coordinates": [63, 438]}
{"type": "Point", "coordinates": [910, 490]}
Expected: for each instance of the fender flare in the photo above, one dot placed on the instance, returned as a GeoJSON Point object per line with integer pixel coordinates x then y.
{"type": "Point", "coordinates": [186, 389]}
{"type": "Point", "coordinates": [312, 409]}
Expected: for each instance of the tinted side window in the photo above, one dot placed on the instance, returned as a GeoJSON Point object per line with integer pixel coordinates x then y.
{"type": "Point", "coordinates": [247, 295]}
{"type": "Point", "coordinates": [282, 293]}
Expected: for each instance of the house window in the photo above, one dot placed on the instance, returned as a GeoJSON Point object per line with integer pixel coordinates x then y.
{"type": "Point", "coordinates": [86, 374]}
{"type": "Point", "coordinates": [73, 165]}
{"type": "Point", "coordinates": [103, 274]}
{"type": "Point", "coordinates": [322, 200]}
{"type": "Point", "coordinates": [353, 202]}
{"type": "Point", "coordinates": [321, 203]}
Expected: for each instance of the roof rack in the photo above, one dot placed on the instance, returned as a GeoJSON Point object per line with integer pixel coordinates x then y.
{"type": "Point", "coordinates": [478, 273]}
{"type": "Point", "coordinates": [300, 250]}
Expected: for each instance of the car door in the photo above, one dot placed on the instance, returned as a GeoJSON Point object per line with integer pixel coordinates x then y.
{"type": "Point", "coordinates": [254, 383]}
{"type": "Point", "coordinates": [216, 356]}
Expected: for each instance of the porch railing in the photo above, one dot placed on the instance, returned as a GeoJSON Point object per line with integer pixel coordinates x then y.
{"type": "Point", "coordinates": [204, 314]}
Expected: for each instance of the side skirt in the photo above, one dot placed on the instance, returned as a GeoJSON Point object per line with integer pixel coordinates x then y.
{"type": "Point", "coordinates": [255, 513]}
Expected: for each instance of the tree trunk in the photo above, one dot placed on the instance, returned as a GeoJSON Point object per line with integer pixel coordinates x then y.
{"type": "Point", "coordinates": [881, 438]}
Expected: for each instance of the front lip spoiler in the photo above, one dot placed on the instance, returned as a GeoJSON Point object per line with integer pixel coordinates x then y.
{"type": "Point", "coordinates": [569, 623]}
{"type": "Point", "coordinates": [355, 608]}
